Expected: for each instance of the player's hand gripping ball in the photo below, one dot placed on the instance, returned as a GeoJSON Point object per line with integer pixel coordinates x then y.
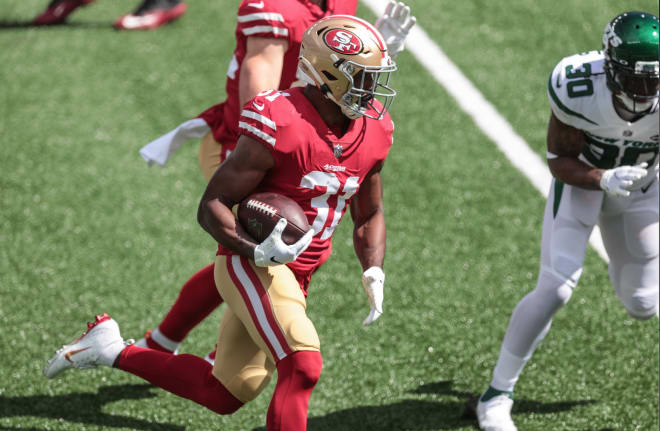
{"type": "Point", "coordinates": [260, 212]}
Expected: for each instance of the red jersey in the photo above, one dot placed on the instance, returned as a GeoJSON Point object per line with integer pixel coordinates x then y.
{"type": "Point", "coordinates": [309, 167]}
{"type": "Point", "coordinates": [277, 19]}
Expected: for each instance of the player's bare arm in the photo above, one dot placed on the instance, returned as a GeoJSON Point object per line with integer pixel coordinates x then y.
{"type": "Point", "coordinates": [369, 239]}
{"type": "Point", "coordinates": [369, 221]}
{"type": "Point", "coordinates": [565, 144]}
{"type": "Point", "coordinates": [235, 179]}
{"type": "Point", "coordinates": [262, 66]}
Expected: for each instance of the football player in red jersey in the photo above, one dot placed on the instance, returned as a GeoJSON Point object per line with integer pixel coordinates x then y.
{"type": "Point", "coordinates": [268, 36]}
{"type": "Point", "coordinates": [324, 146]}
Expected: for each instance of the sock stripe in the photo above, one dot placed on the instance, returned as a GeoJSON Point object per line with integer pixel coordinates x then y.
{"type": "Point", "coordinates": [164, 341]}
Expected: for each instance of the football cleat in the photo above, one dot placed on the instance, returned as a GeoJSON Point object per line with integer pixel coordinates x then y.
{"type": "Point", "coordinates": [58, 10]}
{"type": "Point", "coordinates": [156, 341]}
{"type": "Point", "coordinates": [494, 414]}
{"type": "Point", "coordinates": [99, 345]}
{"type": "Point", "coordinates": [210, 357]}
{"type": "Point", "coordinates": [151, 14]}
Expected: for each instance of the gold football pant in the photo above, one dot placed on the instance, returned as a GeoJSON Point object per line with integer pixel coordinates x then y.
{"type": "Point", "coordinates": [209, 156]}
{"type": "Point", "coordinates": [265, 321]}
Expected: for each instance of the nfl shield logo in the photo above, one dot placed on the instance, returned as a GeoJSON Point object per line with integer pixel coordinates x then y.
{"type": "Point", "coordinates": [627, 133]}
{"type": "Point", "coordinates": [337, 150]}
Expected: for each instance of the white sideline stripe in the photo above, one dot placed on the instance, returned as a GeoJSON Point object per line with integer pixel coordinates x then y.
{"type": "Point", "coordinates": [266, 137]}
{"type": "Point", "coordinates": [260, 118]}
{"type": "Point", "coordinates": [257, 306]}
{"type": "Point", "coordinates": [484, 115]}
{"type": "Point", "coordinates": [266, 29]}
{"type": "Point", "coordinates": [261, 16]}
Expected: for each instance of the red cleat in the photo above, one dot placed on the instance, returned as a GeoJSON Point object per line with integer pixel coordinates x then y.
{"type": "Point", "coordinates": [58, 10]}
{"type": "Point", "coordinates": [150, 18]}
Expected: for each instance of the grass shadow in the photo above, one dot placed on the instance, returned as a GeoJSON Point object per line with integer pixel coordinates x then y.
{"type": "Point", "coordinates": [83, 408]}
{"type": "Point", "coordinates": [407, 414]}
{"type": "Point", "coordinates": [424, 415]}
{"type": "Point", "coordinates": [15, 24]}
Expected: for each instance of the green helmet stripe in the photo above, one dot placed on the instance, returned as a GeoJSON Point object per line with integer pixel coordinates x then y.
{"type": "Point", "coordinates": [562, 106]}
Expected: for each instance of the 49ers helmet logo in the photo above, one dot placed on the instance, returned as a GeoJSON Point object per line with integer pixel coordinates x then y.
{"type": "Point", "coordinates": [343, 41]}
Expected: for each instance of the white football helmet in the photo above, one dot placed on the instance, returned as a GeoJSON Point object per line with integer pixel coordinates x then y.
{"type": "Point", "coordinates": [347, 59]}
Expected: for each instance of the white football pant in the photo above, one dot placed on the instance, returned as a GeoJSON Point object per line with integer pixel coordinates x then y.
{"type": "Point", "coordinates": [629, 227]}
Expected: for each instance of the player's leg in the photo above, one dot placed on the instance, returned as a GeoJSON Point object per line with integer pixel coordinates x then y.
{"type": "Point", "coordinates": [631, 239]}
{"type": "Point", "coordinates": [271, 305]}
{"type": "Point", "coordinates": [240, 372]}
{"type": "Point", "coordinates": [197, 299]}
{"type": "Point", "coordinates": [210, 156]}
{"type": "Point", "coordinates": [185, 375]}
{"type": "Point", "coordinates": [570, 214]}
{"type": "Point", "coordinates": [240, 364]}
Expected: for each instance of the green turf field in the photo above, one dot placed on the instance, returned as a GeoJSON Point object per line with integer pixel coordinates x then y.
{"type": "Point", "coordinates": [86, 227]}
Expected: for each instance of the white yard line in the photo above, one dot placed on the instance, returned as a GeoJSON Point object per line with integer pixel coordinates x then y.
{"type": "Point", "coordinates": [483, 113]}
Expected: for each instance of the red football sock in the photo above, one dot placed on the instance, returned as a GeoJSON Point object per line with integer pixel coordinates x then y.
{"type": "Point", "coordinates": [297, 375]}
{"type": "Point", "coordinates": [197, 299]}
{"type": "Point", "coordinates": [187, 376]}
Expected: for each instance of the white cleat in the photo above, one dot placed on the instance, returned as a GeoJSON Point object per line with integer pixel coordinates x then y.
{"type": "Point", "coordinates": [495, 414]}
{"type": "Point", "coordinates": [99, 345]}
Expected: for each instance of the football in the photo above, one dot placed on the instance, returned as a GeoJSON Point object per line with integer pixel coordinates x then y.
{"type": "Point", "coordinates": [260, 212]}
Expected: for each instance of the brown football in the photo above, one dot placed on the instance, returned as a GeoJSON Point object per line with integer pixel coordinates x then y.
{"type": "Point", "coordinates": [260, 212]}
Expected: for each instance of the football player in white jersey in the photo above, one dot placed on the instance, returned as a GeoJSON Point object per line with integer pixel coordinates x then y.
{"type": "Point", "coordinates": [603, 153]}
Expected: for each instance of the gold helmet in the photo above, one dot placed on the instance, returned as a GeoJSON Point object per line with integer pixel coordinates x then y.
{"type": "Point", "coordinates": [347, 59]}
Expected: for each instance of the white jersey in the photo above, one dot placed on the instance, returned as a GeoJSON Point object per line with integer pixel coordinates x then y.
{"type": "Point", "coordinates": [579, 97]}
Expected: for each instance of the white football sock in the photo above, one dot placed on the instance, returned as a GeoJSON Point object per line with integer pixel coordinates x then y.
{"type": "Point", "coordinates": [507, 370]}
{"type": "Point", "coordinates": [529, 324]}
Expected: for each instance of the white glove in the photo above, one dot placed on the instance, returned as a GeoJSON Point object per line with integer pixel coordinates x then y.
{"type": "Point", "coordinates": [373, 280]}
{"type": "Point", "coordinates": [273, 251]}
{"type": "Point", "coordinates": [619, 181]}
{"type": "Point", "coordinates": [394, 25]}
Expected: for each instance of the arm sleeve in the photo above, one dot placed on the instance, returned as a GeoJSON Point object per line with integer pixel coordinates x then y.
{"type": "Point", "coordinates": [557, 94]}
{"type": "Point", "coordinates": [575, 110]}
{"type": "Point", "coordinates": [262, 18]}
{"type": "Point", "coordinates": [259, 120]}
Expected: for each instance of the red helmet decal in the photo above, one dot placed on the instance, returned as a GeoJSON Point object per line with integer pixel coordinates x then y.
{"type": "Point", "coordinates": [343, 41]}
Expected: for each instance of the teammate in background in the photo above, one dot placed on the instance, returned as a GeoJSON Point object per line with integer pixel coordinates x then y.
{"type": "Point", "coordinates": [268, 36]}
{"type": "Point", "coordinates": [149, 15]}
{"type": "Point", "coordinates": [324, 146]}
{"type": "Point", "coordinates": [603, 152]}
